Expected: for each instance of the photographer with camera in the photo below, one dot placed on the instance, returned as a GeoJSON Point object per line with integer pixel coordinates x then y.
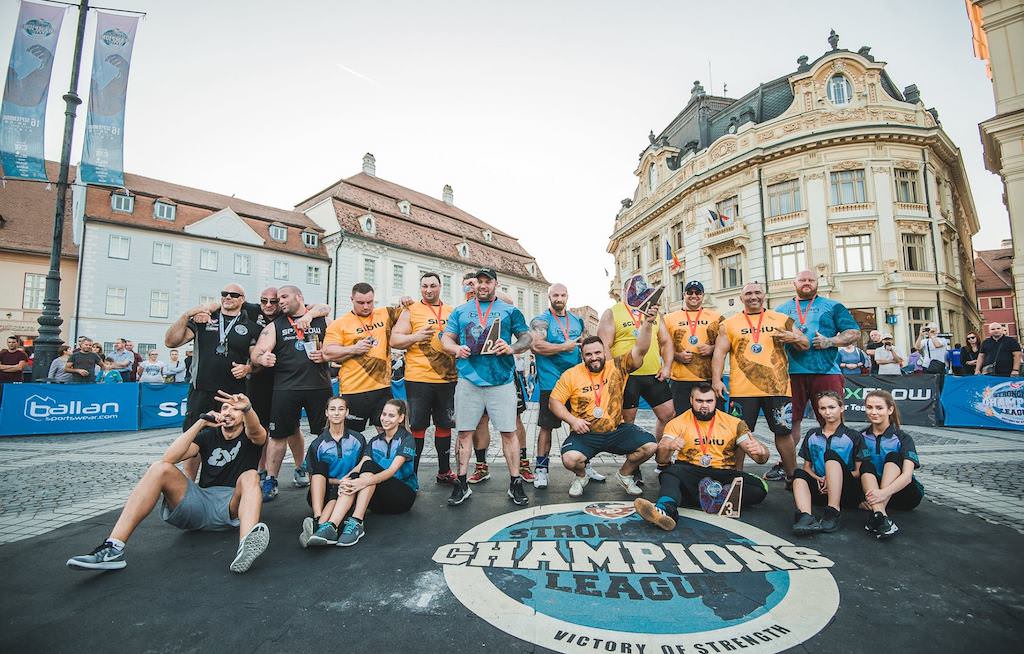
{"type": "Point", "coordinates": [1000, 354]}
{"type": "Point", "coordinates": [889, 360]}
{"type": "Point", "coordinates": [933, 347]}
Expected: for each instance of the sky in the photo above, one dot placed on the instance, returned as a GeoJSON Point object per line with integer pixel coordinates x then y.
{"type": "Point", "coordinates": [535, 112]}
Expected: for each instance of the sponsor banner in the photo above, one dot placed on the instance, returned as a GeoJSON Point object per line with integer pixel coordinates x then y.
{"type": "Point", "coordinates": [23, 112]}
{"type": "Point", "coordinates": [596, 577]}
{"type": "Point", "coordinates": [103, 153]}
{"type": "Point", "coordinates": [917, 396]}
{"type": "Point", "coordinates": [30, 409]}
{"type": "Point", "coordinates": [162, 405]}
{"type": "Point", "coordinates": [984, 401]}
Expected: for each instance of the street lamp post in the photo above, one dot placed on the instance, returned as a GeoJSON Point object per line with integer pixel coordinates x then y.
{"type": "Point", "coordinates": [49, 340]}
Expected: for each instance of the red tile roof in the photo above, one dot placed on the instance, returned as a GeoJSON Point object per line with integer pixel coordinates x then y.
{"type": "Point", "coordinates": [27, 210]}
{"type": "Point", "coordinates": [992, 270]}
{"type": "Point", "coordinates": [432, 227]}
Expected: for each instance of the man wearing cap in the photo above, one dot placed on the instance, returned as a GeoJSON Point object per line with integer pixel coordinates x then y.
{"type": "Point", "coordinates": [486, 367]}
{"type": "Point", "coordinates": [828, 325]}
{"type": "Point", "coordinates": [618, 329]}
{"type": "Point", "coordinates": [888, 359]}
{"type": "Point", "coordinates": [693, 330]}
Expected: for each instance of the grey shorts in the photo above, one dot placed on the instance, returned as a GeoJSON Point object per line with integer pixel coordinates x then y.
{"type": "Point", "coordinates": [204, 509]}
{"type": "Point", "coordinates": [498, 401]}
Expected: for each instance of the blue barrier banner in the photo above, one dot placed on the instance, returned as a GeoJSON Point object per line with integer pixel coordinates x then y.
{"type": "Point", "coordinates": [162, 405]}
{"type": "Point", "coordinates": [984, 401]}
{"type": "Point", "coordinates": [23, 113]}
{"type": "Point", "coordinates": [30, 409]}
{"type": "Point", "coordinates": [103, 151]}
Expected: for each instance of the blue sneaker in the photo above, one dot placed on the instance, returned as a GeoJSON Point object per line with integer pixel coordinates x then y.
{"type": "Point", "coordinates": [351, 531]}
{"type": "Point", "coordinates": [325, 534]}
{"type": "Point", "coordinates": [299, 478]}
{"type": "Point", "coordinates": [269, 487]}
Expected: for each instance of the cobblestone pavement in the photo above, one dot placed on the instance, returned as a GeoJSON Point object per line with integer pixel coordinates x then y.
{"type": "Point", "coordinates": [47, 481]}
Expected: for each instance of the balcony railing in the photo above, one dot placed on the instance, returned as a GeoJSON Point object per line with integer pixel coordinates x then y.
{"type": "Point", "coordinates": [911, 207]}
{"type": "Point", "coordinates": [851, 208]}
{"type": "Point", "coordinates": [792, 216]}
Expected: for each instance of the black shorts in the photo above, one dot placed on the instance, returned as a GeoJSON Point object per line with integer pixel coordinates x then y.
{"type": "Point", "coordinates": [520, 393]}
{"type": "Point", "coordinates": [430, 401]}
{"type": "Point", "coordinates": [261, 393]}
{"type": "Point", "coordinates": [286, 410]}
{"type": "Point", "coordinates": [546, 419]}
{"type": "Point", "coordinates": [330, 494]}
{"type": "Point", "coordinates": [748, 408]}
{"type": "Point", "coordinates": [199, 402]}
{"type": "Point", "coordinates": [906, 499]}
{"type": "Point", "coordinates": [851, 495]}
{"type": "Point", "coordinates": [681, 481]}
{"type": "Point", "coordinates": [681, 396]}
{"type": "Point", "coordinates": [365, 407]}
{"type": "Point", "coordinates": [649, 387]}
{"type": "Point", "coordinates": [626, 439]}
{"type": "Point", "coordinates": [392, 496]}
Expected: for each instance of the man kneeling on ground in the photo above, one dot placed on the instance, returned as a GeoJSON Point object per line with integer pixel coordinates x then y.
{"type": "Point", "coordinates": [592, 391]}
{"type": "Point", "coordinates": [228, 493]}
{"type": "Point", "coordinates": [701, 447]}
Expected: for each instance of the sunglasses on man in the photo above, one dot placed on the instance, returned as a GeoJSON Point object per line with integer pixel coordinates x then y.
{"type": "Point", "coordinates": [232, 294]}
{"type": "Point", "coordinates": [267, 300]}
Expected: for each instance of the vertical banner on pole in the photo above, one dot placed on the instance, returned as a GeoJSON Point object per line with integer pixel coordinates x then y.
{"type": "Point", "coordinates": [23, 113]}
{"type": "Point", "coordinates": [103, 154]}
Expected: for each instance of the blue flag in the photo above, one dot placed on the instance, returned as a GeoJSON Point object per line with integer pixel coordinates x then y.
{"type": "Point", "coordinates": [23, 113]}
{"type": "Point", "coordinates": [103, 153]}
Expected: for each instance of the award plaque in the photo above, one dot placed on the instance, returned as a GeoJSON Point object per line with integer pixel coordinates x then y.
{"type": "Point", "coordinates": [733, 499]}
{"type": "Point", "coordinates": [493, 336]}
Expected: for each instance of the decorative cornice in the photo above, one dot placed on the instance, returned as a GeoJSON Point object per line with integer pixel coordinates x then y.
{"type": "Point", "coordinates": [783, 238]}
{"type": "Point", "coordinates": [847, 164]}
{"type": "Point", "coordinates": [853, 227]}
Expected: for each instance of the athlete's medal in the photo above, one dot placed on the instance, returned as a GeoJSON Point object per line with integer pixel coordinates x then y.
{"type": "Point", "coordinates": [755, 334]}
{"type": "Point", "coordinates": [636, 332]}
{"type": "Point", "coordinates": [702, 439]}
{"type": "Point", "coordinates": [221, 349]}
{"type": "Point", "coordinates": [801, 316]}
{"type": "Point", "coordinates": [598, 412]}
{"type": "Point", "coordinates": [222, 346]}
{"type": "Point", "coordinates": [692, 325]}
{"type": "Point", "coordinates": [636, 323]}
{"type": "Point", "coordinates": [597, 387]}
{"type": "Point", "coordinates": [693, 340]}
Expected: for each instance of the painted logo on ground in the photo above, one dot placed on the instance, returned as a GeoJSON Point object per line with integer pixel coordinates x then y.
{"type": "Point", "coordinates": [596, 577]}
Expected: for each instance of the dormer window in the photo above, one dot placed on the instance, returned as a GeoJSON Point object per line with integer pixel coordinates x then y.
{"type": "Point", "coordinates": [463, 249]}
{"type": "Point", "coordinates": [164, 210]}
{"type": "Point", "coordinates": [122, 202]}
{"type": "Point", "coordinates": [840, 91]}
{"type": "Point", "coordinates": [310, 239]}
{"type": "Point", "coordinates": [368, 224]}
{"type": "Point", "coordinates": [279, 233]}
{"type": "Point", "coordinates": [531, 268]}
{"type": "Point", "coordinates": [405, 207]}
{"type": "Point", "coordinates": [488, 236]}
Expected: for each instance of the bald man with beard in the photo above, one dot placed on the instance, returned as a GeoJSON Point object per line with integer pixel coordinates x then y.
{"type": "Point", "coordinates": [755, 341]}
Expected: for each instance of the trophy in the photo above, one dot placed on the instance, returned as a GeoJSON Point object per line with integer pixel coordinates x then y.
{"type": "Point", "coordinates": [493, 336]}
{"type": "Point", "coordinates": [733, 499]}
{"type": "Point", "coordinates": [640, 295]}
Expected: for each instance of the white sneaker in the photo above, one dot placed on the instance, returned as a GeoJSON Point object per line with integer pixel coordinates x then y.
{"type": "Point", "coordinates": [629, 484]}
{"type": "Point", "coordinates": [577, 486]}
{"type": "Point", "coordinates": [593, 474]}
{"type": "Point", "coordinates": [540, 478]}
{"type": "Point", "coordinates": [252, 545]}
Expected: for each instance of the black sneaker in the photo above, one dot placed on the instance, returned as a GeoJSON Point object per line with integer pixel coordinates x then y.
{"type": "Point", "coordinates": [874, 520]}
{"type": "Point", "coordinates": [518, 493]}
{"type": "Point", "coordinates": [775, 473]}
{"type": "Point", "coordinates": [886, 528]}
{"type": "Point", "coordinates": [806, 525]}
{"type": "Point", "coordinates": [638, 477]}
{"type": "Point", "coordinates": [459, 494]}
{"type": "Point", "coordinates": [830, 521]}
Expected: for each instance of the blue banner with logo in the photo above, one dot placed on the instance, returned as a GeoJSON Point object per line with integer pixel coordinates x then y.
{"type": "Point", "coordinates": [30, 409]}
{"type": "Point", "coordinates": [162, 405]}
{"type": "Point", "coordinates": [103, 153]}
{"type": "Point", "coordinates": [984, 401]}
{"type": "Point", "coordinates": [23, 112]}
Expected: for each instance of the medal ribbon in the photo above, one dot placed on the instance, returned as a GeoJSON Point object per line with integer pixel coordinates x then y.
{"type": "Point", "coordinates": [223, 330]}
{"type": "Point", "coordinates": [597, 389]}
{"type": "Point", "coordinates": [693, 323]}
{"type": "Point", "coordinates": [299, 333]}
{"type": "Point", "coordinates": [482, 317]}
{"type": "Point", "coordinates": [704, 438]}
{"type": "Point", "coordinates": [636, 323]}
{"type": "Point", "coordinates": [802, 315]}
{"type": "Point", "coordinates": [755, 335]}
{"type": "Point", "coordinates": [565, 329]}
{"type": "Point", "coordinates": [440, 310]}
{"type": "Point", "coordinates": [367, 329]}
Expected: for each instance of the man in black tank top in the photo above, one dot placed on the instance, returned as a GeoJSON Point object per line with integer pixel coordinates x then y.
{"type": "Point", "coordinates": [301, 378]}
{"type": "Point", "coordinates": [261, 382]}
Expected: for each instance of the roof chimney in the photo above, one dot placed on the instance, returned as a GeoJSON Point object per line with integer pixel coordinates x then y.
{"type": "Point", "coordinates": [370, 165]}
{"type": "Point", "coordinates": [448, 195]}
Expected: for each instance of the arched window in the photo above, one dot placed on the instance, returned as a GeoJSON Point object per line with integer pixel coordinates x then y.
{"type": "Point", "coordinates": [839, 90]}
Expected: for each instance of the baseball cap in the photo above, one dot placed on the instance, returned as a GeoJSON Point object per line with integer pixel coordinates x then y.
{"type": "Point", "coordinates": [694, 285]}
{"type": "Point", "coordinates": [487, 272]}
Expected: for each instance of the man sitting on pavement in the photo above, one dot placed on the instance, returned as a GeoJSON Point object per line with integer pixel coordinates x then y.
{"type": "Point", "coordinates": [227, 495]}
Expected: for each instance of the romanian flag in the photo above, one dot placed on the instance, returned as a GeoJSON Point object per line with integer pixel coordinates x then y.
{"type": "Point", "coordinates": [670, 255]}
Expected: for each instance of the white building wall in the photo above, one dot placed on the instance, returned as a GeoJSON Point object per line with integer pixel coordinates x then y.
{"type": "Point", "coordinates": [182, 279]}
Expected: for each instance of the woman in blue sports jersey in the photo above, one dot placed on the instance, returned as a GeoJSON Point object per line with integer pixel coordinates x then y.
{"type": "Point", "coordinates": [830, 471]}
{"type": "Point", "coordinates": [887, 461]}
{"type": "Point", "coordinates": [385, 479]}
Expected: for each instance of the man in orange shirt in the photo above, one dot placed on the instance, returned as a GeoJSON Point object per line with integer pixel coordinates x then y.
{"type": "Point", "coordinates": [700, 448]}
{"type": "Point", "coordinates": [359, 340]}
{"type": "Point", "coordinates": [693, 330]}
{"type": "Point", "coordinates": [430, 374]}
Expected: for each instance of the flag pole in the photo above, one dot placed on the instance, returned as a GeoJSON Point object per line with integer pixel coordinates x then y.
{"type": "Point", "coordinates": [49, 340]}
